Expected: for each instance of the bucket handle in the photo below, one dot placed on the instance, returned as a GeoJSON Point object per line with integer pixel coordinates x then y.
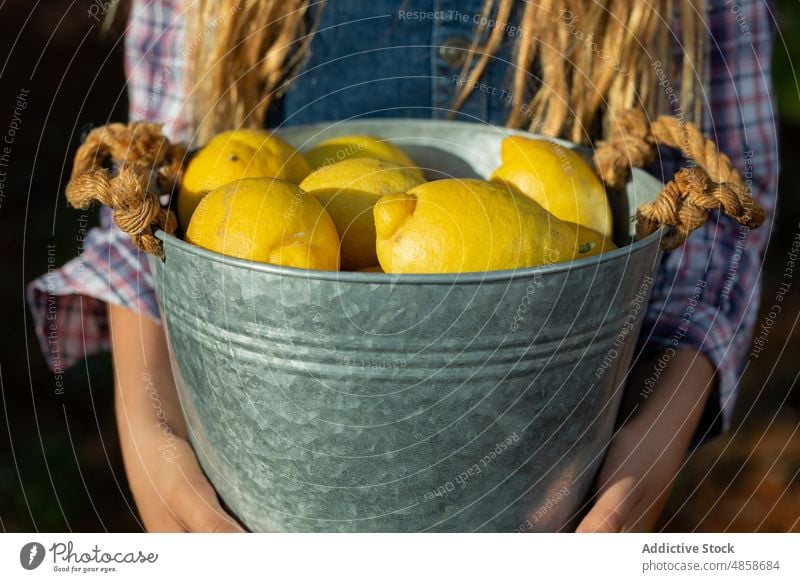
{"type": "Point", "coordinates": [127, 168]}
{"type": "Point", "coordinates": [708, 183]}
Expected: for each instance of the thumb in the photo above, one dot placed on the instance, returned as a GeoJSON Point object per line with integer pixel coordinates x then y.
{"type": "Point", "coordinates": [612, 508]}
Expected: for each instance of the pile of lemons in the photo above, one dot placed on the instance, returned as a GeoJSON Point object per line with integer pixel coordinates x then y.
{"type": "Point", "coordinates": [357, 203]}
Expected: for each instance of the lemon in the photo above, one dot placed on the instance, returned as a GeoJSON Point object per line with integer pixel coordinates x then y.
{"type": "Point", "coordinates": [455, 226]}
{"type": "Point", "coordinates": [233, 155]}
{"type": "Point", "coordinates": [348, 190]}
{"type": "Point", "coordinates": [347, 147]}
{"type": "Point", "coordinates": [266, 220]}
{"type": "Point", "coordinates": [558, 179]}
{"type": "Point", "coordinates": [589, 242]}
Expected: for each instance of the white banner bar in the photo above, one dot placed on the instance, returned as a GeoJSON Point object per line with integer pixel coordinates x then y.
{"type": "Point", "coordinates": [400, 557]}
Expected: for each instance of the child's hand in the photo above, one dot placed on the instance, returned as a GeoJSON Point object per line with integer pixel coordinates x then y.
{"type": "Point", "coordinates": [171, 491]}
{"type": "Point", "coordinates": [649, 450]}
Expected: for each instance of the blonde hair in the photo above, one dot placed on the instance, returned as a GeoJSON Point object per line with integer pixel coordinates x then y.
{"type": "Point", "coordinates": [575, 63]}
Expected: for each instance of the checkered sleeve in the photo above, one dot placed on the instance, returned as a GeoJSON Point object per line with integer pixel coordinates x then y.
{"type": "Point", "coordinates": [68, 304]}
{"type": "Point", "coordinates": [706, 293]}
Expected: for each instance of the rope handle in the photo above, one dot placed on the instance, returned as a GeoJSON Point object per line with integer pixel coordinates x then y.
{"type": "Point", "coordinates": [127, 168]}
{"type": "Point", "coordinates": [684, 203]}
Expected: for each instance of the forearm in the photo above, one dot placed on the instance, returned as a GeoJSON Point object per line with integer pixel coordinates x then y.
{"type": "Point", "coordinates": [650, 447]}
{"type": "Point", "coordinates": [147, 407]}
{"type": "Point", "coordinates": [665, 414]}
{"type": "Point", "coordinates": [669, 389]}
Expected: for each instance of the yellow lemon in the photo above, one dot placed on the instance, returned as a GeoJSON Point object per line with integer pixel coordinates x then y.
{"type": "Point", "coordinates": [266, 220]}
{"type": "Point", "coordinates": [558, 179]}
{"type": "Point", "coordinates": [455, 226]}
{"type": "Point", "coordinates": [348, 190]}
{"type": "Point", "coordinates": [295, 167]}
{"type": "Point", "coordinates": [588, 242]}
{"type": "Point", "coordinates": [233, 155]}
{"type": "Point", "coordinates": [347, 147]}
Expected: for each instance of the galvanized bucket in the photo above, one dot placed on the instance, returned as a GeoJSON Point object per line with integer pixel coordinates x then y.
{"type": "Point", "coordinates": [338, 402]}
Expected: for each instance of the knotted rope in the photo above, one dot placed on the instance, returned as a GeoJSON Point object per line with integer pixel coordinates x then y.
{"type": "Point", "coordinates": [685, 201]}
{"type": "Point", "coordinates": [127, 168]}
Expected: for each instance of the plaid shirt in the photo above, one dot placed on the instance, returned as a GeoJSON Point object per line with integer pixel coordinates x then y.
{"type": "Point", "coordinates": [705, 295]}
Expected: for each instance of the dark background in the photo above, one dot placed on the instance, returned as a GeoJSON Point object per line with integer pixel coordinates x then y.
{"type": "Point", "coordinates": [60, 464]}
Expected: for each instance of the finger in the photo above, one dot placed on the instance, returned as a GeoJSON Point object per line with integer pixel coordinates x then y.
{"type": "Point", "coordinates": [161, 521]}
{"type": "Point", "coordinates": [646, 514]}
{"type": "Point", "coordinates": [154, 486]}
{"type": "Point", "coordinates": [612, 508]}
{"type": "Point", "coordinates": [197, 506]}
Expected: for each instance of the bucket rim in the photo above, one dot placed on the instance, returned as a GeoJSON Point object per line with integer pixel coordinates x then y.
{"type": "Point", "coordinates": [170, 240]}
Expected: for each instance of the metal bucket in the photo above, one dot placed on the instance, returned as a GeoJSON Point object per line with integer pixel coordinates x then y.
{"type": "Point", "coordinates": [333, 401]}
